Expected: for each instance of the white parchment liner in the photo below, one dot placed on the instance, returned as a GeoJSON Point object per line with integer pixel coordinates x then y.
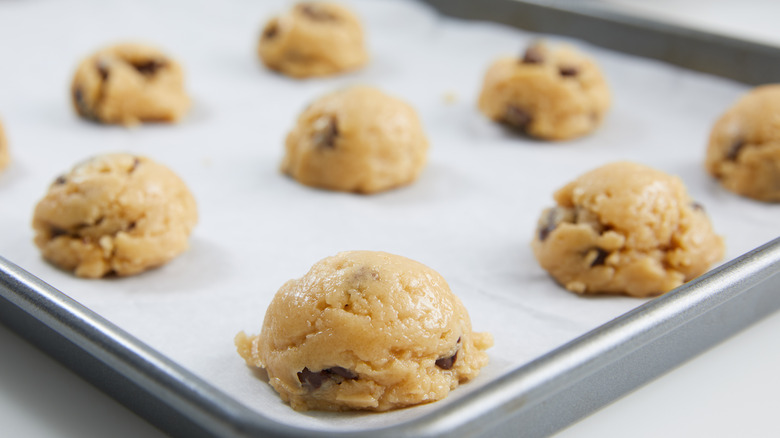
{"type": "Point", "coordinates": [470, 216]}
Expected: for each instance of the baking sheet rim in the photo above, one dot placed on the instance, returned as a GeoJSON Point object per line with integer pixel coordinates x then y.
{"type": "Point", "coordinates": [520, 388]}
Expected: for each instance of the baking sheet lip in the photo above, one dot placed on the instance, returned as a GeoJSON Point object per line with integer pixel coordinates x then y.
{"type": "Point", "coordinates": [561, 367]}
{"type": "Point", "coordinates": [605, 13]}
{"type": "Point", "coordinates": [525, 386]}
{"type": "Point", "coordinates": [119, 350]}
{"type": "Point", "coordinates": [748, 61]}
{"type": "Point", "coordinates": [669, 312]}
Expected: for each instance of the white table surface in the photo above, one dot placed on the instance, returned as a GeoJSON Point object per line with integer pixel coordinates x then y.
{"type": "Point", "coordinates": [728, 391]}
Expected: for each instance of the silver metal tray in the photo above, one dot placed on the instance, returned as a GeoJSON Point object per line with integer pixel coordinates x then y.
{"type": "Point", "coordinates": [536, 399]}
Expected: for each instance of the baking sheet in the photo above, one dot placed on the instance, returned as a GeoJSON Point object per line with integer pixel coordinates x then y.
{"type": "Point", "coordinates": [470, 216]}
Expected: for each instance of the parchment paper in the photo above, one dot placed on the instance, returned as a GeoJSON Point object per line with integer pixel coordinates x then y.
{"type": "Point", "coordinates": [471, 215]}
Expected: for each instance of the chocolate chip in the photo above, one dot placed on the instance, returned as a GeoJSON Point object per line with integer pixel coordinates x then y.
{"type": "Point", "coordinates": [103, 73]}
{"type": "Point", "coordinates": [550, 223]}
{"type": "Point", "coordinates": [568, 71]}
{"type": "Point", "coordinates": [533, 55]}
{"type": "Point", "coordinates": [60, 180]}
{"type": "Point", "coordinates": [325, 132]}
{"type": "Point", "coordinates": [316, 13]}
{"type": "Point", "coordinates": [552, 217]}
{"type": "Point", "coordinates": [446, 363]}
{"type": "Point", "coordinates": [343, 372]}
{"type": "Point", "coordinates": [131, 227]}
{"type": "Point", "coordinates": [149, 68]}
{"type": "Point", "coordinates": [84, 108]}
{"type": "Point", "coordinates": [311, 379]}
{"type": "Point", "coordinates": [517, 117]}
{"type": "Point", "coordinates": [696, 206]}
{"type": "Point", "coordinates": [315, 379]}
{"type": "Point", "coordinates": [102, 69]}
{"type": "Point", "coordinates": [136, 163]}
{"type": "Point", "coordinates": [733, 151]}
{"type": "Point", "coordinates": [56, 231]}
{"type": "Point", "coordinates": [601, 257]}
{"type": "Point", "coordinates": [81, 104]}
{"type": "Point", "coordinates": [271, 30]}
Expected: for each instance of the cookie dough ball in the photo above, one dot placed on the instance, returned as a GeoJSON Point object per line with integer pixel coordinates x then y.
{"type": "Point", "coordinates": [356, 140]}
{"type": "Point", "coordinates": [625, 229]}
{"type": "Point", "coordinates": [114, 214]}
{"type": "Point", "coordinates": [313, 39]}
{"type": "Point", "coordinates": [552, 93]}
{"type": "Point", "coordinates": [366, 330]}
{"type": "Point", "coordinates": [744, 147]}
{"type": "Point", "coordinates": [128, 84]}
{"type": "Point", "coordinates": [4, 157]}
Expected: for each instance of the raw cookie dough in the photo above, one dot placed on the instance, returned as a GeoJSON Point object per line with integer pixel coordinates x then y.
{"type": "Point", "coordinates": [128, 84]}
{"type": "Point", "coordinates": [4, 157]}
{"type": "Point", "coordinates": [366, 330]}
{"type": "Point", "coordinates": [114, 214]}
{"type": "Point", "coordinates": [313, 39]}
{"type": "Point", "coordinates": [356, 140]}
{"type": "Point", "coordinates": [744, 147]}
{"type": "Point", "coordinates": [552, 93]}
{"type": "Point", "coordinates": [625, 228]}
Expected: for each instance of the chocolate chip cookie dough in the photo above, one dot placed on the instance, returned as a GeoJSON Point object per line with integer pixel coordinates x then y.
{"type": "Point", "coordinates": [128, 84]}
{"type": "Point", "coordinates": [744, 146]}
{"type": "Point", "coordinates": [625, 228]}
{"type": "Point", "coordinates": [114, 214]}
{"type": "Point", "coordinates": [552, 93]}
{"type": "Point", "coordinates": [313, 39]}
{"type": "Point", "coordinates": [5, 158]}
{"type": "Point", "coordinates": [356, 140]}
{"type": "Point", "coordinates": [366, 330]}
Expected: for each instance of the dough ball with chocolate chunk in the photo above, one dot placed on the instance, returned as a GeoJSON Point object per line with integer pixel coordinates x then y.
{"type": "Point", "coordinates": [356, 140]}
{"type": "Point", "coordinates": [625, 228]}
{"type": "Point", "coordinates": [744, 147]}
{"type": "Point", "coordinates": [5, 158]}
{"type": "Point", "coordinates": [128, 84]}
{"type": "Point", "coordinates": [365, 330]}
{"type": "Point", "coordinates": [552, 93]}
{"type": "Point", "coordinates": [313, 39]}
{"type": "Point", "coordinates": [114, 214]}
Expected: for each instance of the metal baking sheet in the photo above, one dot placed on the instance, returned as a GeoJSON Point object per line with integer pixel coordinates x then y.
{"type": "Point", "coordinates": [534, 397]}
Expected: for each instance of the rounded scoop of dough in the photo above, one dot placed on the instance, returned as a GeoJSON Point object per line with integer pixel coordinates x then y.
{"type": "Point", "coordinates": [744, 146]}
{"type": "Point", "coordinates": [114, 214]}
{"type": "Point", "coordinates": [313, 39]}
{"type": "Point", "coordinates": [356, 140]}
{"type": "Point", "coordinates": [128, 84]}
{"type": "Point", "coordinates": [628, 229]}
{"type": "Point", "coordinates": [5, 158]}
{"type": "Point", "coordinates": [551, 92]}
{"type": "Point", "coordinates": [366, 330]}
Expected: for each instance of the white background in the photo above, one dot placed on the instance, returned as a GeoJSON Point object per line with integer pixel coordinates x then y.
{"type": "Point", "coordinates": [725, 392]}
